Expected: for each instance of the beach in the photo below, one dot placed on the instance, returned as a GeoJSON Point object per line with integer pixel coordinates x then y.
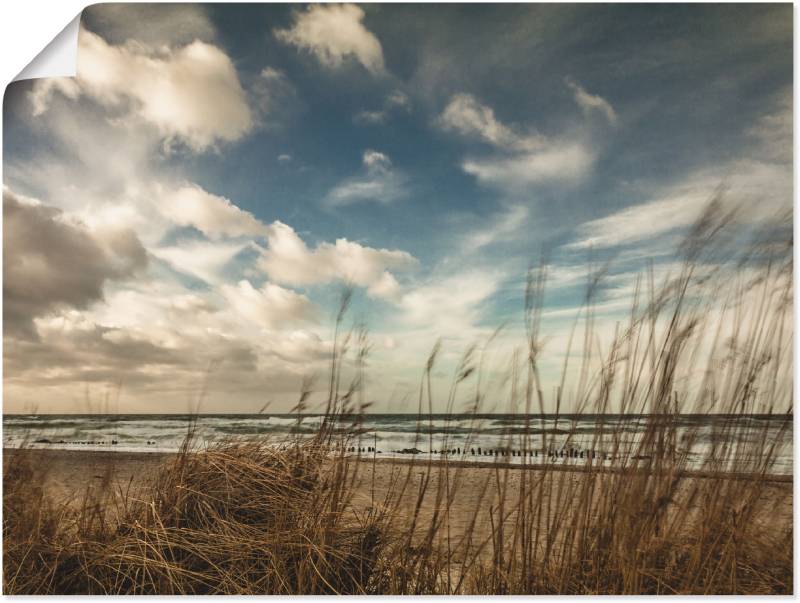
{"type": "Point", "coordinates": [73, 476]}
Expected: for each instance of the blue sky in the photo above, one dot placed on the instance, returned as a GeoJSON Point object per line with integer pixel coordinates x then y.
{"type": "Point", "coordinates": [231, 167]}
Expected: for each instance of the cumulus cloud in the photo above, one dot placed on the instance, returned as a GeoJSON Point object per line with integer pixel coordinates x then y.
{"type": "Point", "coordinates": [51, 263]}
{"type": "Point", "coordinates": [290, 261]}
{"type": "Point", "coordinates": [211, 214]}
{"type": "Point", "coordinates": [271, 306]}
{"type": "Point", "coordinates": [190, 94]}
{"type": "Point", "coordinates": [73, 348]}
{"type": "Point", "coordinates": [159, 338]}
{"type": "Point", "coordinates": [591, 103]}
{"type": "Point", "coordinates": [520, 160]}
{"type": "Point", "coordinates": [165, 343]}
{"type": "Point", "coordinates": [333, 33]}
{"type": "Point", "coordinates": [380, 182]}
{"type": "Point", "coordinates": [154, 304]}
{"type": "Point", "coordinates": [79, 358]}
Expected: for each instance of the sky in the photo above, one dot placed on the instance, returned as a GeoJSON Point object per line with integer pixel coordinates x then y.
{"type": "Point", "coordinates": [182, 218]}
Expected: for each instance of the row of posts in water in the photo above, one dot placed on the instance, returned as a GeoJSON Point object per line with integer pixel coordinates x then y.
{"type": "Point", "coordinates": [572, 453]}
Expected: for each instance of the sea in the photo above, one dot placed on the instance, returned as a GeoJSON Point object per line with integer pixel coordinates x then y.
{"type": "Point", "coordinates": [701, 440]}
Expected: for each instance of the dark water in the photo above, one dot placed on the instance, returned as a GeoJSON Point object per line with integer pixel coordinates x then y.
{"type": "Point", "coordinates": [514, 438]}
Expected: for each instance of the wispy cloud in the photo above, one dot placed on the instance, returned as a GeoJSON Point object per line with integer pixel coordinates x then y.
{"type": "Point", "coordinates": [592, 103]}
{"type": "Point", "coordinates": [380, 182]}
{"type": "Point", "coordinates": [273, 97]}
{"type": "Point", "coordinates": [756, 182]}
{"type": "Point", "coordinates": [395, 101]}
{"type": "Point", "coordinates": [465, 115]}
{"type": "Point", "coordinates": [772, 132]}
{"type": "Point", "coordinates": [564, 162]}
{"type": "Point", "coordinates": [640, 222]}
{"type": "Point", "coordinates": [522, 159]}
{"type": "Point", "coordinates": [509, 222]}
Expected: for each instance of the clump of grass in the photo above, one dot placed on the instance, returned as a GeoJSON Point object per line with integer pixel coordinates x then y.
{"type": "Point", "coordinates": [237, 518]}
{"type": "Point", "coordinates": [306, 517]}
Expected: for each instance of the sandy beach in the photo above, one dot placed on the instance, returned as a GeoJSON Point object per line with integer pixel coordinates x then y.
{"type": "Point", "coordinates": [69, 475]}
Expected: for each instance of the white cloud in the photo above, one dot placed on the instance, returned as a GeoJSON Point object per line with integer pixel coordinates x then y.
{"type": "Point", "coordinates": [271, 306]}
{"type": "Point", "coordinates": [213, 215]}
{"type": "Point", "coordinates": [380, 182]}
{"type": "Point", "coordinates": [44, 88]}
{"type": "Point", "coordinates": [289, 260]}
{"type": "Point", "coordinates": [640, 222]}
{"type": "Point", "coordinates": [101, 168]}
{"type": "Point", "coordinates": [590, 103]}
{"type": "Point", "coordinates": [465, 115]}
{"type": "Point", "coordinates": [190, 94]}
{"type": "Point", "coordinates": [562, 162]}
{"type": "Point", "coordinates": [645, 221]}
{"type": "Point", "coordinates": [506, 224]}
{"type": "Point", "coordinates": [332, 33]}
{"type": "Point", "coordinates": [201, 259]}
{"type": "Point", "coordinates": [159, 343]}
{"type": "Point", "coordinates": [160, 307]}
{"type": "Point", "coordinates": [376, 159]}
{"type": "Point", "coordinates": [521, 160]}
{"type": "Point", "coordinates": [758, 183]}
{"type": "Point", "coordinates": [451, 305]}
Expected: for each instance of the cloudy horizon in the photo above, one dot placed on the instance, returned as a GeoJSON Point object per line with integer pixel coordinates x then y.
{"type": "Point", "coordinates": [181, 218]}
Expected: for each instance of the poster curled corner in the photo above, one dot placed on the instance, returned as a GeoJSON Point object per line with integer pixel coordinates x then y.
{"type": "Point", "coordinates": [59, 58]}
